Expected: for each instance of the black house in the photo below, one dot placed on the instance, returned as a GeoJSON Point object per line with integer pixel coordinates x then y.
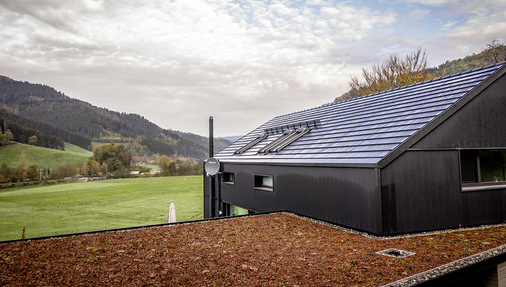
{"type": "Point", "coordinates": [422, 157]}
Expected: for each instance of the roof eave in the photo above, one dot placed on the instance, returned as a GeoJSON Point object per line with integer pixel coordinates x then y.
{"type": "Point", "coordinates": [297, 162]}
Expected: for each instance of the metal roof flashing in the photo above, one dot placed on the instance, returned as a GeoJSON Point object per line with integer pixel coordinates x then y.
{"type": "Point", "coordinates": [369, 131]}
{"type": "Point", "coordinates": [312, 163]}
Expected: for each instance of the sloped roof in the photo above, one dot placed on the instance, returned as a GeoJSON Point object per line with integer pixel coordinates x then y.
{"type": "Point", "coordinates": [362, 131]}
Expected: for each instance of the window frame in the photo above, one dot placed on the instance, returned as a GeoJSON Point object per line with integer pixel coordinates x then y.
{"type": "Point", "coordinates": [259, 182]}
{"type": "Point", "coordinates": [228, 178]}
{"type": "Point", "coordinates": [477, 184]}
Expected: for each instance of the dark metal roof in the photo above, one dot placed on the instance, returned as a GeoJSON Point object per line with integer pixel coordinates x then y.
{"type": "Point", "coordinates": [361, 131]}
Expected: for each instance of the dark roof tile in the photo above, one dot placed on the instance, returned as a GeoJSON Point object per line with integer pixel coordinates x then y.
{"type": "Point", "coordinates": [361, 131]}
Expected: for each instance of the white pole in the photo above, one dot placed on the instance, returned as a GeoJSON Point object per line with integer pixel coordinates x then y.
{"type": "Point", "coordinates": [172, 213]}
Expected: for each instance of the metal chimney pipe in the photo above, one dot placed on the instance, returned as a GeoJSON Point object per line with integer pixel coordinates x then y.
{"type": "Point", "coordinates": [212, 192]}
{"type": "Point", "coordinates": [211, 137]}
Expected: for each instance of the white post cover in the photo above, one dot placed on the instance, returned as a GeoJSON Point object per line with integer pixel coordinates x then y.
{"type": "Point", "coordinates": [172, 213]}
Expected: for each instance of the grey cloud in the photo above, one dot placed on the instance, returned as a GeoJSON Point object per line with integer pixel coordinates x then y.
{"type": "Point", "coordinates": [245, 61]}
{"type": "Point", "coordinates": [49, 12]}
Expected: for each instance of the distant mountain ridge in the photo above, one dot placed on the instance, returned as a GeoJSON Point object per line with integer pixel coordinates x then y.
{"type": "Point", "coordinates": [79, 122]}
{"type": "Point", "coordinates": [231, 138]}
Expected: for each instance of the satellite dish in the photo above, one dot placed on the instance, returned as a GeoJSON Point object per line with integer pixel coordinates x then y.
{"type": "Point", "coordinates": [212, 166]}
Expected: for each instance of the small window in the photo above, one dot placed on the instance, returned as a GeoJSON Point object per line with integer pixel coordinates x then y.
{"type": "Point", "coordinates": [483, 167]}
{"type": "Point", "coordinates": [236, 210]}
{"type": "Point", "coordinates": [264, 182]}
{"type": "Point", "coordinates": [468, 165]}
{"type": "Point", "coordinates": [492, 165]}
{"type": "Point", "coordinates": [228, 178]}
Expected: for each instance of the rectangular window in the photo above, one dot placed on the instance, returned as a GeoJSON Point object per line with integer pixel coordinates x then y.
{"type": "Point", "coordinates": [264, 182]}
{"type": "Point", "coordinates": [236, 210]}
{"type": "Point", "coordinates": [492, 165]}
{"type": "Point", "coordinates": [229, 178]}
{"type": "Point", "coordinates": [483, 167]}
{"type": "Point", "coordinates": [468, 165]}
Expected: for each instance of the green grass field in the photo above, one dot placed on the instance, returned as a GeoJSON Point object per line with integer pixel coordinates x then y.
{"type": "Point", "coordinates": [43, 157]}
{"type": "Point", "coordinates": [98, 205]}
{"type": "Point", "coordinates": [77, 150]}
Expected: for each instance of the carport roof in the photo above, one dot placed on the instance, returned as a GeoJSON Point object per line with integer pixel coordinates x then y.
{"type": "Point", "coordinates": [365, 131]}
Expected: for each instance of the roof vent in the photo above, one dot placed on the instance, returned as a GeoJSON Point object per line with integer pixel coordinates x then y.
{"type": "Point", "coordinates": [396, 253]}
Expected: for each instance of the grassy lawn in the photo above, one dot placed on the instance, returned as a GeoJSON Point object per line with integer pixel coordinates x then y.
{"type": "Point", "coordinates": [43, 157]}
{"type": "Point", "coordinates": [98, 205]}
{"type": "Point", "coordinates": [77, 150]}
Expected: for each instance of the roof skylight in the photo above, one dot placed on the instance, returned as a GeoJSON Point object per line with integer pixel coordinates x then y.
{"type": "Point", "coordinates": [290, 133]}
{"type": "Point", "coordinates": [258, 139]}
{"type": "Point", "coordinates": [287, 138]}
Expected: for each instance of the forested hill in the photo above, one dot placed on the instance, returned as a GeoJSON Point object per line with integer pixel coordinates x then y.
{"type": "Point", "coordinates": [46, 106]}
{"type": "Point", "coordinates": [24, 130]}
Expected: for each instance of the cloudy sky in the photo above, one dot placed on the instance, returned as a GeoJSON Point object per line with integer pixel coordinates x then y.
{"type": "Point", "coordinates": [176, 62]}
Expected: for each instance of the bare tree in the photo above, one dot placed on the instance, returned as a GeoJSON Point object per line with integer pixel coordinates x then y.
{"type": "Point", "coordinates": [494, 53]}
{"type": "Point", "coordinates": [393, 73]}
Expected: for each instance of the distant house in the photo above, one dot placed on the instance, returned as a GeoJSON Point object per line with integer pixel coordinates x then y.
{"type": "Point", "coordinates": [422, 157]}
{"type": "Point", "coordinates": [155, 171]}
{"type": "Point", "coordinates": [141, 159]}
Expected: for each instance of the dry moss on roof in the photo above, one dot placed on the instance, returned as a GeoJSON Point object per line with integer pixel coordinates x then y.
{"type": "Point", "coordinates": [266, 250]}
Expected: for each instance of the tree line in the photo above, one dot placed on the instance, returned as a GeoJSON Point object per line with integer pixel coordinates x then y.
{"type": "Point", "coordinates": [48, 136]}
{"type": "Point", "coordinates": [14, 132]}
{"type": "Point", "coordinates": [171, 167]}
{"type": "Point", "coordinates": [109, 160]}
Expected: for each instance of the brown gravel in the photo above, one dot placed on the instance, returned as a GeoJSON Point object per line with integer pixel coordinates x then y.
{"type": "Point", "coordinates": [266, 250]}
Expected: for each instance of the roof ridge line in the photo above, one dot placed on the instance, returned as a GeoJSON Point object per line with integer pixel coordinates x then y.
{"type": "Point", "coordinates": [423, 82]}
{"type": "Point", "coordinates": [395, 89]}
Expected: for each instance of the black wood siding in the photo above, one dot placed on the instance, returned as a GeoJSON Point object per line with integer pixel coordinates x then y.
{"type": "Point", "coordinates": [480, 123]}
{"type": "Point", "coordinates": [427, 190]}
{"type": "Point", "coordinates": [346, 196]}
{"type": "Point", "coordinates": [421, 189]}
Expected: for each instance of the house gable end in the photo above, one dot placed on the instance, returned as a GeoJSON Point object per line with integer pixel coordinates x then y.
{"type": "Point", "coordinates": [431, 137]}
{"type": "Point", "coordinates": [479, 123]}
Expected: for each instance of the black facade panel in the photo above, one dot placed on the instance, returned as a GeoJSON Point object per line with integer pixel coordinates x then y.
{"type": "Point", "coordinates": [207, 200]}
{"type": "Point", "coordinates": [428, 194]}
{"type": "Point", "coordinates": [210, 200]}
{"type": "Point", "coordinates": [480, 123]}
{"type": "Point", "coordinates": [345, 196]}
{"type": "Point", "coordinates": [389, 204]}
{"type": "Point", "coordinates": [482, 207]}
